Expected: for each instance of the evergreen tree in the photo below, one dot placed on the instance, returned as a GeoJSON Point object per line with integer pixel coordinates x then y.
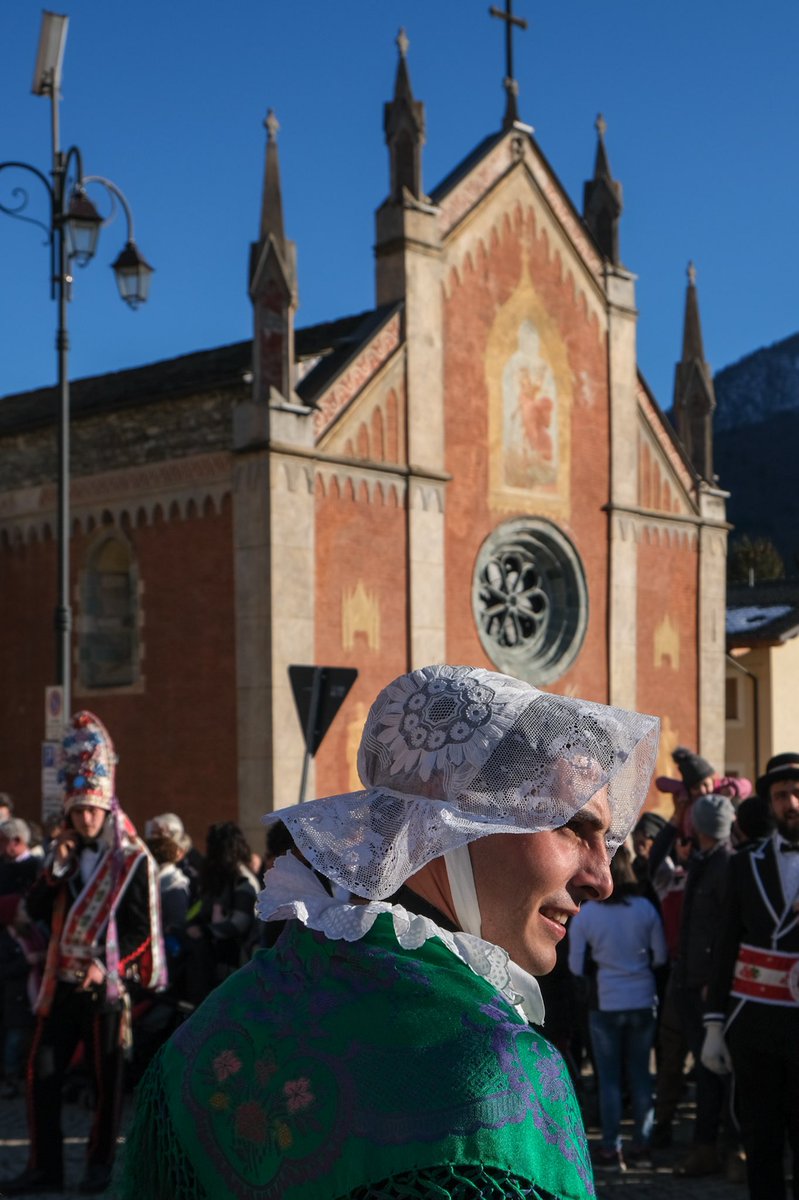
{"type": "Point", "coordinates": [754, 560]}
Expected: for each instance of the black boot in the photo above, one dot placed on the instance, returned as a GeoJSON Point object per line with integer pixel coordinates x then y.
{"type": "Point", "coordinates": [96, 1179]}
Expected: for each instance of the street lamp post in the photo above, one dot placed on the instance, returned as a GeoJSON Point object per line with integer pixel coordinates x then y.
{"type": "Point", "coordinates": [72, 232]}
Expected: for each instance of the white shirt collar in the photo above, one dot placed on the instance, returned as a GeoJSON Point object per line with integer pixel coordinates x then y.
{"type": "Point", "coordinates": [787, 867]}
{"type": "Point", "coordinates": [88, 861]}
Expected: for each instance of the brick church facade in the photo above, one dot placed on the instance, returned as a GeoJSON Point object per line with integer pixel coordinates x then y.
{"type": "Point", "coordinates": [474, 471]}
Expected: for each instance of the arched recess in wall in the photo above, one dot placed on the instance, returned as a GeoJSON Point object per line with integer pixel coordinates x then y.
{"type": "Point", "coordinates": [108, 623]}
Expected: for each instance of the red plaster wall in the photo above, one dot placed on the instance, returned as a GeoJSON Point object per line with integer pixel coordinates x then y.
{"type": "Point", "coordinates": [358, 540]}
{"type": "Point", "coordinates": [667, 586]}
{"type": "Point", "coordinates": [177, 739]}
{"type": "Point", "coordinates": [28, 587]}
{"type": "Point", "coordinates": [475, 296]}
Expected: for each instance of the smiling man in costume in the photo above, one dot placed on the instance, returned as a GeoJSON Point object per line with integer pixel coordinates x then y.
{"type": "Point", "coordinates": [384, 1048]}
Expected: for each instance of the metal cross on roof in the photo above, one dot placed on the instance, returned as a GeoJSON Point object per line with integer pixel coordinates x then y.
{"type": "Point", "coordinates": [511, 86]}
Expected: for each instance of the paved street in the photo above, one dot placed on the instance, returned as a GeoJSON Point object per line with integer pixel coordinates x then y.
{"type": "Point", "coordinates": [14, 1142]}
{"type": "Point", "coordinates": [652, 1183]}
{"type": "Point", "coordinates": [658, 1181]}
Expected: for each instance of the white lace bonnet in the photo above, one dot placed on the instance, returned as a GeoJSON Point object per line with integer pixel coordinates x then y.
{"type": "Point", "coordinates": [451, 754]}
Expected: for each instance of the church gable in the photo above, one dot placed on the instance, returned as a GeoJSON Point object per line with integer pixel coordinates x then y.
{"type": "Point", "coordinates": [527, 429]}
{"type": "Point", "coordinates": [665, 482]}
{"type": "Point", "coordinates": [369, 426]}
{"type": "Point", "coordinates": [525, 325]}
{"type": "Point", "coordinates": [354, 369]}
{"type": "Point", "coordinates": [463, 193]}
{"type": "Point", "coordinates": [523, 192]}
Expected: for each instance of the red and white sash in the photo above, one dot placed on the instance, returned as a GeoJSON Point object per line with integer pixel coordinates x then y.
{"type": "Point", "coordinates": [768, 976]}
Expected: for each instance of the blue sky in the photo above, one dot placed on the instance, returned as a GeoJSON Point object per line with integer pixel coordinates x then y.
{"type": "Point", "coordinates": [168, 98]}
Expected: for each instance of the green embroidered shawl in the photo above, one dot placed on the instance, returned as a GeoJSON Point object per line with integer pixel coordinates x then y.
{"type": "Point", "coordinates": [324, 1067]}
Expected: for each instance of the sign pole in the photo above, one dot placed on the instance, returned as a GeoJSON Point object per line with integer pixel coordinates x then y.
{"type": "Point", "coordinates": [306, 758]}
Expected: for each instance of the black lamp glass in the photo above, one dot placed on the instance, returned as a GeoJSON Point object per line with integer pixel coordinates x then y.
{"type": "Point", "coordinates": [133, 275]}
{"type": "Point", "coordinates": [82, 227]}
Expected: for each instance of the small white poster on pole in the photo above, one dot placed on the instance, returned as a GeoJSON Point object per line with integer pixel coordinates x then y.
{"type": "Point", "coordinates": [53, 713]}
{"type": "Point", "coordinates": [52, 791]}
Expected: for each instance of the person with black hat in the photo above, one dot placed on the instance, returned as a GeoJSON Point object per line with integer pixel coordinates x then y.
{"type": "Point", "coordinates": [752, 1008]}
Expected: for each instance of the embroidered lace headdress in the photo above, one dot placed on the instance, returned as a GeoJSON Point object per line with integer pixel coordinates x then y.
{"type": "Point", "coordinates": [451, 754]}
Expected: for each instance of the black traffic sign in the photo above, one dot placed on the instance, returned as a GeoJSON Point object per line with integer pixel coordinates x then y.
{"type": "Point", "coordinates": [319, 693]}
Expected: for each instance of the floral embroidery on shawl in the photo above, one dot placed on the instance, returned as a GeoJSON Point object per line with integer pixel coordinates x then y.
{"type": "Point", "coordinates": [299, 1065]}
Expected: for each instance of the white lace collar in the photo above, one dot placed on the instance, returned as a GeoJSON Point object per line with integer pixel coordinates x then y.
{"type": "Point", "coordinates": [292, 890]}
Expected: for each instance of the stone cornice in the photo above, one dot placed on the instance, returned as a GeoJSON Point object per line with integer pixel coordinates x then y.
{"type": "Point", "coordinates": [354, 464]}
{"type": "Point", "coordinates": [135, 492]}
{"type": "Point", "coordinates": [648, 516]}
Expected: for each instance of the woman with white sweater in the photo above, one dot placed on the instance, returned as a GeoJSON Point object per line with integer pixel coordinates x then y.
{"type": "Point", "coordinates": [625, 939]}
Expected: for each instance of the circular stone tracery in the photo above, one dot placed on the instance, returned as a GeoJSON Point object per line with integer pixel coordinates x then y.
{"type": "Point", "coordinates": [530, 600]}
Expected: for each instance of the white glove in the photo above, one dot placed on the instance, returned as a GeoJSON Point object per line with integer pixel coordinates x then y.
{"type": "Point", "coordinates": [715, 1055]}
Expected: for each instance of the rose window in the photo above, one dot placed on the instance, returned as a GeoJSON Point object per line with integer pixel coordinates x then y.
{"type": "Point", "coordinates": [530, 600]}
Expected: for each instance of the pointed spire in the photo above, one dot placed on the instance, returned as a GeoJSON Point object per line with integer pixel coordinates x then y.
{"type": "Point", "coordinates": [601, 163]}
{"type": "Point", "coordinates": [602, 199]}
{"type": "Point", "coordinates": [272, 202]}
{"type": "Point", "coordinates": [404, 125]}
{"type": "Point", "coordinates": [273, 284]}
{"type": "Point", "coordinates": [692, 345]}
{"type": "Point", "coordinates": [402, 83]}
{"type": "Point", "coordinates": [694, 396]}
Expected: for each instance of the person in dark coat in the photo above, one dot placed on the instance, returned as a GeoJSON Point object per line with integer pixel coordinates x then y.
{"type": "Point", "coordinates": [668, 872]}
{"type": "Point", "coordinates": [18, 871]}
{"type": "Point", "coordinates": [752, 1010]}
{"type": "Point", "coordinates": [222, 935]}
{"type": "Point", "coordinates": [22, 947]}
{"type": "Point", "coordinates": [702, 912]}
{"type": "Point", "coordinates": [753, 822]}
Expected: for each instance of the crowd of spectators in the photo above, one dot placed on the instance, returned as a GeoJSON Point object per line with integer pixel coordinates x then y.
{"type": "Point", "coordinates": [639, 965]}
{"type": "Point", "coordinates": [631, 979]}
{"type": "Point", "coordinates": [208, 923]}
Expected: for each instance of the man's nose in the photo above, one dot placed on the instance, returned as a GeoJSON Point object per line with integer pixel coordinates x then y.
{"type": "Point", "coordinates": [596, 883]}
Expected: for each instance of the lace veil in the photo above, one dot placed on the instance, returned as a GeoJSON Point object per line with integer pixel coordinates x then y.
{"type": "Point", "coordinates": [451, 754]}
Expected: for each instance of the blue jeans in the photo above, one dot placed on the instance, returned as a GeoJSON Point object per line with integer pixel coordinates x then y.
{"type": "Point", "coordinates": [622, 1043]}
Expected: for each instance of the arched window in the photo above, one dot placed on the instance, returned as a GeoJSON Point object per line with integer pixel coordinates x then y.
{"type": "Point", "coordinates": [108, 625]}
